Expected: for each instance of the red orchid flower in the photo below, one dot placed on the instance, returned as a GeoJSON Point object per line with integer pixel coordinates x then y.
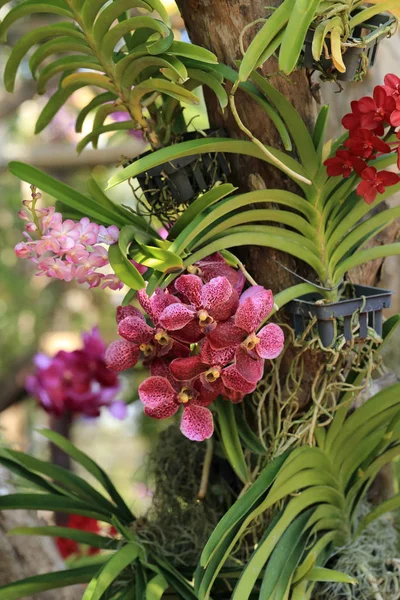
{"type": "Point", "coordinates": [162, 400]}
{"type": "Point", "coordinates": [374, 182]}
{"type": "Point", "coordinates": [395, 116]}
{"type": "Point", "coordinates": [344, 163]}
{"type": "Point", "coordinates": [240, 332]}
{"type": "Point", "coordinates": [364, 143]}
{"type": "Point", "coordinates": [376, 111]}
{"type": "Point", "coordinates": [208, 304]}
{"type": "Point", "coordinates": [392, 85]}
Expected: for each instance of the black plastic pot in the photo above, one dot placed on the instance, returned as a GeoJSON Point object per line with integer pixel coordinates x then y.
{"type": "Point", "coordinates": [366, 38]}
{"type": "Point", "coordinates": [171, 187]}
{"type": "Point", "coordinates": [365, 307]}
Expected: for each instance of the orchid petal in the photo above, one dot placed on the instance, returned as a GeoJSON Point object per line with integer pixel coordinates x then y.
{"type": "Point", "coordinates": [197, 423]}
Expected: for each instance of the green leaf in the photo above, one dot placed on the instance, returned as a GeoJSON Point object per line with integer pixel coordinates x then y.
{"type": "Point", "coordinates": [230, 439]}
{"type": "Point", "coordinates": [112, 127]}
{"type": "Point", "coordinates": [201, 203]}
{"type": "Point", "coordinates": [156, 258]}
{"type": "Point", "coordinates": [156, 587]}
{"type": "Point", "coordinates": [200, 146]}
{"type": "Point", "coordinates": [212, 83]}
{"type": "Point", "coordinates": [284, 559]}
{"type": "Point", "coordinates": [294, 122]}
{"type": "Point", "coordinates": [93, 104]}
{"type": "Point", "coordinates": [124, 269]}
{"type": "Point", "coordinates": [56, 101]}
{"type": "Point", "coordinates": [390, 505]}
{"type": "Point", "coordinates": [64, 43]}
{"type": "Point", "coordinates": [111, 12]}
{"type": "Point", "coordinates": [320, 130]}
{"type": "Point", "coordinates": [82, 537]}
{"type": "Point", "coordinates": [74, 485]}
{"type": "Point", "coordinates": [249, 438]}
{"type": "Point", "coordinates": [51, 502]}
{"type": "Point", "coordinates": [192, 51]}
{"type": "Point", "coordinates": [364, 15]}
{"type": "Point", "coordinates": [113, 36]}
{"type": "Point", "coordinates": [30, 39]}
{"type": "Point", "coordinates": [264, 37]}
{"type": "Point", "coordinates": [57, 7]}
{"type": "Point", "coordinates": [21, 471]}
{"type": "Point", "coordinates": [364, 256]}
{"type": "Point", "coordinates": [110, 571]}
{"type": "Point", "coordinates": [321, 574]}
{"type": "Point", "coordinates": [66, 63]}
{"type": "Point", "coordinates": [48, 581]}
{"type": "Point", "coordinates": [175, 579]}
{"type": "Point", "coordinates": [87, 463]}
{"type": "Point", "coordinates": [64, 193]}
{"type": "Point", "coordinates": [301, 17]}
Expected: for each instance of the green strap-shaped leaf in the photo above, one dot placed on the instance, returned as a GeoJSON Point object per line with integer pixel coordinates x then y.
{"type": "Point", "coordinates": [322, 574]}
{"type": "Point", "coordinates": [33, 478]}
{"type": "Point", "coordinates": [129, 218]}
{"type": "Point", "coordinates": [284, 560]}
{"type": "Point", "coordinates": [102, 581]}
{"type": "Point", "coordinates": [62, 44]}
{"type": "Point", "coordinates": [30, 39]}
{"type": "Point", "coordinates": [87, 463]}
{"type": "Point", "coordinates": [159, 62]}
{"type": "Point", "coordinates": [202, 146]}
{"type": "Point", "coordinates": [156, 587]}
{"type": "Point", "coordinates": [300, 19]}
{"type": "Point", "coordinates": [212, 83]}
{"type": "Point", "coordinates": [111, 128]}
{"type": "Point", "coordinates": [230, 439]}
{"type": "Point", "coordinates": [57, 7]}
{"type": "Point", "coordinates": [364, 256]}
{"type": "Point", "coordinates": [250, 440]}
{"type": "Point", "coordinates": [94, 79]}
{"type": "Point", "coordinates": [201, 203]}
{"type": "Point", "coordinates": [177, 582]}
{"type": "Point", "coordinates": [364, 15]}
{"type": "Point", "coordinates": [112, 11]}
{"type": "Point", "coordinates": [65, 193]}
{"type": "Point", "coordinates": [319, 132]}
{"type": "Point", "coordinates": [121, 265]}
{"type": "Point", "coordinates": [66, 63]}
{"type": "Point", "coordinates": [156, 258]}
{"type": "Point", "coordinates": [294, 123]}
{"type": "Point", "coordinates": [48, 581]}
{"type": "Point", "coordinates": [51, 502]}
{"type": "Point", "coordinates": [320, 33]}
{"type": "Point", "coordinates": [56, 101]}
{"type": "Point", "coordinates": [93, 104]}
{"type": "Point", "coordinates": [264, 37]}
{"type": "Point", "coordinates": [113, 36]}
{"type": "Point", "coordinates": [357, 236]}
{"type": "Point", "coordinates": [192, 51]}
{"type": "Point", "coordinates": [74, 485]}
{"type": "Point", "coordinates": [82, 537]}
{"type": "Point", "coordinates": [393, 504]}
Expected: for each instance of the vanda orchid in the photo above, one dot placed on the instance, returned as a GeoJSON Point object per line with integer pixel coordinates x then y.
{"type": "Point", "coordinates": [204, 343]}
{"type": "Point", "coordinates": [244, 328]}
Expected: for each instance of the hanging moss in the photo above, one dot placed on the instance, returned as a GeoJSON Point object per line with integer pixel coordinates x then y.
{"type": "Point", "coordinates": [373, 559]}
{"type": "Point", "coordinates": [178, 523]}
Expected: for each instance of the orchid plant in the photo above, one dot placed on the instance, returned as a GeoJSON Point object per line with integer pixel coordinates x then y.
{"type": "Point", "coordinates": [198, 320]}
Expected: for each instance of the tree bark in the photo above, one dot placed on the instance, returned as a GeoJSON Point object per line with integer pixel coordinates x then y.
{"type": "Point", "coordinates": [24, 556]}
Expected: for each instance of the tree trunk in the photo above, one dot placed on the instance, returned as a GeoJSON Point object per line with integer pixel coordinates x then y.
{"type": "Point", "coordinates": [23, 556]}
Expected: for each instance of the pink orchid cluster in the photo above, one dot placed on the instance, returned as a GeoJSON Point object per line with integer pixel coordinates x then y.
{"type": "Point", "coordinates": [206, 340]}
{"type": "Point", "coordinates": [76, 382]}
{"type": "Point", "coordinates": [371, 122]}
{"type": "Point", "coordinates": [67, 249]}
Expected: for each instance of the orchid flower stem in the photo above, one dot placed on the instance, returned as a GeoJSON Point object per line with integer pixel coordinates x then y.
{"type": "Point", "coordinates": [35, 198]}
{"type": "Point", "coordinates": [246, 274]}
{"type": "Point", "coordinates": [205, 475]}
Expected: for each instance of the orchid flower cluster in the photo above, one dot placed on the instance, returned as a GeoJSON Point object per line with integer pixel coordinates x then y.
{"type": "Point", "coordinates": [206, 340]}
{"type": "Point", "coordinates": [77, 382]}
{"type": "Point", "coordinates": [67, 249]}
{"type": "Point", "coordinates": [71, 548]}
{"type": "Point", "coordinates": [371, 123]}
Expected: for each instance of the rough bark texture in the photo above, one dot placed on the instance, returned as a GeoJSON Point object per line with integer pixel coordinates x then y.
{"type": "Point", "coordinates": [23, 556]}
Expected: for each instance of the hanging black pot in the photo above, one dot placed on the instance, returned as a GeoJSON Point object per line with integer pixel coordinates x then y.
{"type": "Point", "coordinates": [366, 39]}
{"type": "Point", "coordinates": [362, 306]}
{"type": "Point", "coordinates": [171, 187]}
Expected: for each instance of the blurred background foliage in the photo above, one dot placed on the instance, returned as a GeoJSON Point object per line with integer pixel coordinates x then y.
{"type": "Point", "coordinates": [40, 314]}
